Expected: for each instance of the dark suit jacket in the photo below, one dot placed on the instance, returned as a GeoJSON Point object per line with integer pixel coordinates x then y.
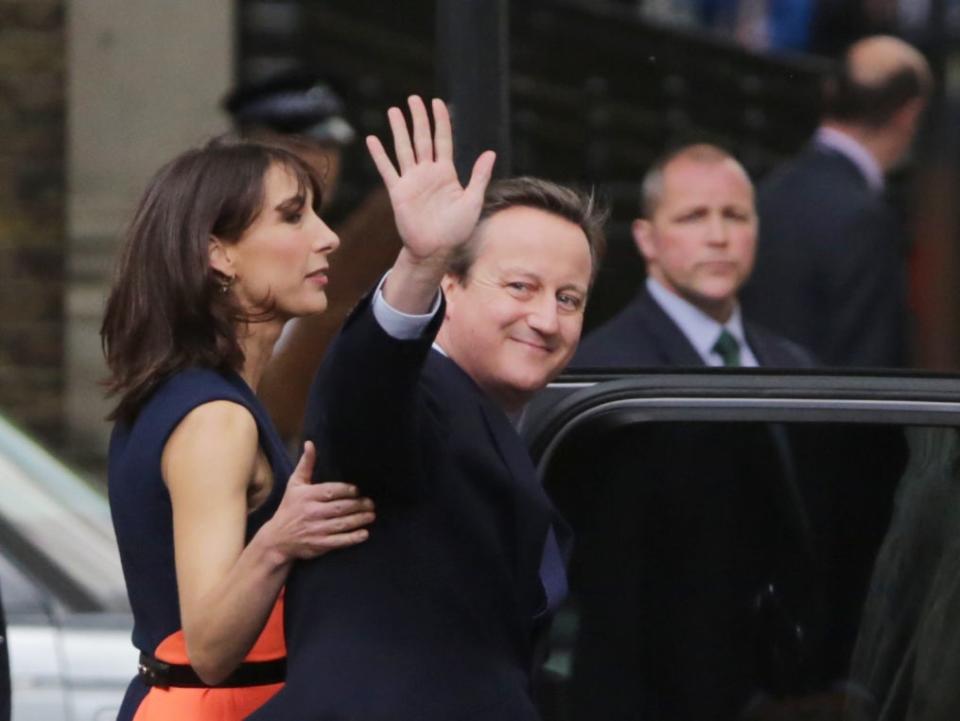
{"type": "Point", "coordinates": [434, 616]}
{"type": "Point", "coordinates": [642, 335]}
{"type": "Point", "coordinates": [830, 271]}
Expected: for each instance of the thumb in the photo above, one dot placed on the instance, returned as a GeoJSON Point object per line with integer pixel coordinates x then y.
{"type": "Point", "coordinates": [303, 473]}
{"type": "Point", "coordinates": [480, 176]}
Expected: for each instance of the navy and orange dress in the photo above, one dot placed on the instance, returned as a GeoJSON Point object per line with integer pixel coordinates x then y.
{"type": "Point", "coordinates": [165, 686]}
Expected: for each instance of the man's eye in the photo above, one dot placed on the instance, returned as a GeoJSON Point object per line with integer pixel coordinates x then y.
{"type": "Point", "coordinates": [518, 285]}
{"type": "Point", "coordinates": [569, 302]}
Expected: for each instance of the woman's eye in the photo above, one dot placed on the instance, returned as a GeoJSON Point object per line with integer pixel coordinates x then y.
{"type": "Point", "coordinates": [293, 217]}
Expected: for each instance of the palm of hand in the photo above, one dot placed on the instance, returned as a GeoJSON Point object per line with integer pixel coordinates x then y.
{"type": "Point", "coordinates": [433, 212]}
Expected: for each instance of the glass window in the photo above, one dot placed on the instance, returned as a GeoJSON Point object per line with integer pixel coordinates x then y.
{"type": "Point", "coordinates": [765, 570]}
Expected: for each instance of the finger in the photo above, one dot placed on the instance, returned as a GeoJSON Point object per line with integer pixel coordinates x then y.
{"type": "Point", "coordinates": [382, 161]}
{"type": "Point", "coordinates": [401, 140]}
{"type": "Point", "coordinates": [422, 141]}
{"type": "Point", "coordinates": [342, 540]}
{"type": "Point", "coordinates": [480, 176]}
{"type": "Point", "coordinates": [443, 135]}
{"type": "Point", "coordinates": [332, 491]}
{"type": "Point", "coordinates": [346, 524]}
{"type": "Point", "coordinates": [303, 473]}
{"type": "Point", "coordinates": [335, 509]}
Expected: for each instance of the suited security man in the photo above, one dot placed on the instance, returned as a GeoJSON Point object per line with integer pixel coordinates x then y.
{"type": "Point", "coordinates": [831, 267]}
{"type": "Point", "coordinates": [698, 237]}
{"type": "Point", "coordinates": [437, 619]}
{"type": "Point", "coordinates": [673, 597]}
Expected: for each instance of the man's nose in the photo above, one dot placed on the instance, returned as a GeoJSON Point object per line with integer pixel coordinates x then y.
{"type": "Point", "coordinates": [717, 231]}
{"type": "Point", "coordinates": [543, 317]}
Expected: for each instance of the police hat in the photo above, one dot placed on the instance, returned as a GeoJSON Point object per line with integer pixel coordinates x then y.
{"type": "Point", "coordinates": [294, 102]}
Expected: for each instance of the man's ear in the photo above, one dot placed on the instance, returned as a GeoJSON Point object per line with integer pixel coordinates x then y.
{"type": "Point", "coordinates": [449, 284]}
{"type": "Point", "coordinates": [221, 259]}
{"type": "Point", "coordinates": [642, 231]}
{"type": "Point", "coordinates": [907, 118]}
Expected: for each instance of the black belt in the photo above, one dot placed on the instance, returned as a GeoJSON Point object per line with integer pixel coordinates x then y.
{"type": "Point", "coordinates": [154, 672]}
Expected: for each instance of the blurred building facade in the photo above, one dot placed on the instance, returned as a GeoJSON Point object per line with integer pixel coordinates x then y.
{"type": "Point", "coordinates": [96, 94]}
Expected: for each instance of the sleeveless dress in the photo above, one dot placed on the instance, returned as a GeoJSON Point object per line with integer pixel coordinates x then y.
{"type": "Point", "coordinates": [143, 520]}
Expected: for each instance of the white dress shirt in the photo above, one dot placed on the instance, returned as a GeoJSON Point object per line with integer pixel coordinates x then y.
{"type": "Point", "coordinates": [854, 152]}
{"type": "Point", "coordinates": [700, 329]}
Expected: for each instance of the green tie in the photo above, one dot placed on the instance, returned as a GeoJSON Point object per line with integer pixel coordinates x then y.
{"type": "Point", "coordinates": [728, 348]}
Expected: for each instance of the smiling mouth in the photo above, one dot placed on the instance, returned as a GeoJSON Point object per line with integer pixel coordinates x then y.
{"type": "Point", "coordinates": [536, 346]}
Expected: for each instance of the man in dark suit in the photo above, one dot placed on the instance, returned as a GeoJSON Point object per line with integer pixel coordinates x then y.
{"type": "Point", "coordinates": [831, 269]}
{"type": "Point", "coordinates": [698, 238]}
{"type": "Point", "coordinates": [437, 617]}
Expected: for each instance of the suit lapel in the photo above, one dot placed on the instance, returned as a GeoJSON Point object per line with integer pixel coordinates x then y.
{"type": "Point", "coordinates": [533, 531]}
{"type": "Point", "coordinates": [668, 339]}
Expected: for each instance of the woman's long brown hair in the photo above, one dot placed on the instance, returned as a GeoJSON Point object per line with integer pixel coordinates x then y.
{"type": "Point", "coordinates": [166, 310]}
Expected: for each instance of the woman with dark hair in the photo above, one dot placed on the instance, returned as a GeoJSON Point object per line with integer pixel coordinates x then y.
{"type": "Point", "coordinates": [226, 245]}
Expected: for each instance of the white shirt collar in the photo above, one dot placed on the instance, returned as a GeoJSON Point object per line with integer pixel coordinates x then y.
{"type": "Point", "coordinates": [851, 149]}
{"type": "Point", "coordinates": [700, 329]}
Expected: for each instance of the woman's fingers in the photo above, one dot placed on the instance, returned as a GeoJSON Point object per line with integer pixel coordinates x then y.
{"type": "Point", "coordinates": [336, 509]}
{"type": "Point", "coordinates": [401, 140]}
{"type": "Point", "coordinates": [422, 140]}
{"type": "Point", "coordinates": [345, 524]}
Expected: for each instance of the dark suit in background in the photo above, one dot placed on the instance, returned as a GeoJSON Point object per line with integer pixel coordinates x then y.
{"type": "Point", "coordinates": [642, 335]}
{"type": "Point", "coordinates": [435, 616]}
{"type": "Point", "coordinates": [830, 270]}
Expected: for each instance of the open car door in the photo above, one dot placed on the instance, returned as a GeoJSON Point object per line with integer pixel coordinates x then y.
{"type": "Point", "coordinates": [754, 545]}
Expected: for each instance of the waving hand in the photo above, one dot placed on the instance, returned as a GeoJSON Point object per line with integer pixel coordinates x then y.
{"type": "Point", "coordinates": [433, 212]}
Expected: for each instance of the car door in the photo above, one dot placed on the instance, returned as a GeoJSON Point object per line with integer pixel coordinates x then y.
{"type": "Point", "coordinates": [753, 544]}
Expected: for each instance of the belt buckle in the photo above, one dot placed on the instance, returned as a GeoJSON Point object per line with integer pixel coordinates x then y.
{"type": "Point", "coordinates": [151, 676]}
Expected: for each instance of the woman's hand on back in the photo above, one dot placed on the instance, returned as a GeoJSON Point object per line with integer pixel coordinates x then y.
{"type": "Point", "coordinates": [313, 519]}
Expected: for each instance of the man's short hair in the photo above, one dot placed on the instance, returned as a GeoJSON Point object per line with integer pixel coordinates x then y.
{"type": "Point", "coordinates": [850, 99]}
{"type": "Point", "coordinates": [651, 189]}
{"type": "Point", "coordinates": [582, 209]}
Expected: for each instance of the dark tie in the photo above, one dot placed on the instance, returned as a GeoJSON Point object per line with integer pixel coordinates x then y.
{"type": "Point", "coordinates": [728, 348]}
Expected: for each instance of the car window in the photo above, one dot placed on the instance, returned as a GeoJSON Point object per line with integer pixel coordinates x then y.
{"type": "Point", "coordinates": [752, 569]}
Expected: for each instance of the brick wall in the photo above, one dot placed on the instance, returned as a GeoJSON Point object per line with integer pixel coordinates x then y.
{"type": "Point", "coordinates": [32, 245]}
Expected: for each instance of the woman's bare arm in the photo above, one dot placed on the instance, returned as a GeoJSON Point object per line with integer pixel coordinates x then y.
{"type": "Point", "coordinates": [226, 589]}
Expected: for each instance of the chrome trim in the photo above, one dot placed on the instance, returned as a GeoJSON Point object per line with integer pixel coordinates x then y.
{"type": "Point", "coordinates": [711, 405]}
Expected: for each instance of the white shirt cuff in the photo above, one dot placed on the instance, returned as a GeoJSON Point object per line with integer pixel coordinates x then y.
{"type": "Point", "coordinates": [401, 326]}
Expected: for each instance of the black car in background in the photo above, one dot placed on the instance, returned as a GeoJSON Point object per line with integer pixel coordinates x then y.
{"type": "Point", "coordinates": [753, 544]}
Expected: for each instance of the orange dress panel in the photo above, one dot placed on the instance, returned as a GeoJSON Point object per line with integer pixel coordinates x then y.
{"type": "Point", "coordinates": [214, 704]}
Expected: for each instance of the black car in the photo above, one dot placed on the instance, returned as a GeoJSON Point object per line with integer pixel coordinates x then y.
{"type": "Point", "coordinates": [753, 544]}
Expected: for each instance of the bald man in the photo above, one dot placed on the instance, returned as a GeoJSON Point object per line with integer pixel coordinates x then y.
{"type": "Point", "coordinates": [698, 237]}
{"type": "Point", "coordinates": [831, 269]}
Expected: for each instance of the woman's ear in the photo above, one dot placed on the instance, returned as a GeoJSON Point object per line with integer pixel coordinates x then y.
{"type": "Point", "coordinates": [221, 259]}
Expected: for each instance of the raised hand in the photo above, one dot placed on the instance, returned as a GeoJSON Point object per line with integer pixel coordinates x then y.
{"type": "Point", "coordinates": [433, 212]}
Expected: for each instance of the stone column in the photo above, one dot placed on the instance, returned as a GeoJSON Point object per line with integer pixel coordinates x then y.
{"type": "Point", "coordinates": [32, 53]}
{"type": "Point", "coordinates": [144, 82]}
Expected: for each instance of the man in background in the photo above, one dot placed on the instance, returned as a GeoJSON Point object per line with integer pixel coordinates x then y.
{"type": "Point", "coordinates": [698, 236]}
{"type": "Point", "coordinates": [831, 266]}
